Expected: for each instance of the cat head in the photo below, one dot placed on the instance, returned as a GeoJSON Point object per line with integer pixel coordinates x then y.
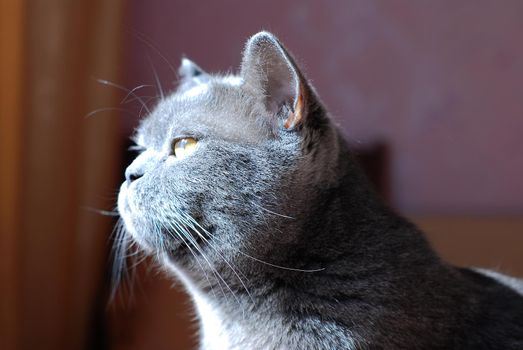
{"type": "Point", "coordinates": [229, 164]}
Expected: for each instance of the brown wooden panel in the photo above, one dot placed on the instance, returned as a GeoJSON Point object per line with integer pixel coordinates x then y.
{"type": "Point", "coordinates": [491, 242]}
{"type": "Point", "coordinates": [11, 96]}
{"type": "Point", "coordinates": [69, 164]}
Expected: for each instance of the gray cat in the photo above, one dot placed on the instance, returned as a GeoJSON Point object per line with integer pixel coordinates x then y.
{"type": "Point", "coordinates": [246, 191]}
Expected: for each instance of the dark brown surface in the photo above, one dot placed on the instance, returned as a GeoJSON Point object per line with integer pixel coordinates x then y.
{"type": "Point", "coordinates": [64, 164]}
{"type": "Point", "coordinates": [154, 314]}
{"type": "Point", "coordinates": [11, 99]}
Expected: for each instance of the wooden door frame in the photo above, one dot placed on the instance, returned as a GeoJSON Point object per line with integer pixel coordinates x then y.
{"type": "Point", "coordinates": [11, 96]}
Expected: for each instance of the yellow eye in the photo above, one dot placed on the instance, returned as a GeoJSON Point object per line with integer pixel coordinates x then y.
{"type": "Point", "coordinates": [184, 147]}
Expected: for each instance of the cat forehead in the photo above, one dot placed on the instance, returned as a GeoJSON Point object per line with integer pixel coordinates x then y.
{"type": "Point", "coordinates": [218, 107]}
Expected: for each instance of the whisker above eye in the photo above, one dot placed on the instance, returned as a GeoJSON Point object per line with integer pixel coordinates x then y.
{"type": "Point", "coordinates": [132, 92]}
{"type": "Point", "coordinates": [147, 41]}
{"type": "Point", "coordinates": [123, 88]}
{"type": "Point", "coordinates": [158, 84]}
{"type": "Point", "coordinates": [107, 109]}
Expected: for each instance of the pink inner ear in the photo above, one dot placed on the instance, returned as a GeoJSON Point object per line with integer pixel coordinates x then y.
{"type": "Point", "coordinates": [295, 117]}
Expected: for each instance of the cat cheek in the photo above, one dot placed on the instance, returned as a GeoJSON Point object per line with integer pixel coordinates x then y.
{"type": "Point", "coordinates": [127, 201]}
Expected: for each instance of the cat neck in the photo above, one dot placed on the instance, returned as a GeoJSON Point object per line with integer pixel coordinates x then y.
{"type": "Point", "coordinates": [346, 249]}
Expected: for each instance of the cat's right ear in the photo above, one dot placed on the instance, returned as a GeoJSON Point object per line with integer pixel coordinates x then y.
{"type": "Point", "coordinates": [270, 72]}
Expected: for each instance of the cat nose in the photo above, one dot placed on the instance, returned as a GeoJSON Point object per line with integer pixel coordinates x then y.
{"type": "Point", "coordinates": [132, 175]}
{"type": "Point", "coordinates": [141, 165]}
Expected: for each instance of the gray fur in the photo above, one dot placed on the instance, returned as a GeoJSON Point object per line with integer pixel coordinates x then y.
{"type": "Point", "coordinates": [277, 235]}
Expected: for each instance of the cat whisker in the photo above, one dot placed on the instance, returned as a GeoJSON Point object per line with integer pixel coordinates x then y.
{"type": "Point", "coordinates": [147, 41]}
{"type": "Point", "coordinates": [279, 266]}
{"type": "Point", "coordinates": [190, 222]}
{"type": "Point", "coordinates": [180, 236]}
{"type": "Point", "coordinates": [201, 252]}
{"type": "Point", "coordinates": [272, 212]}
{"type": "Point", "coordinates": [101, 211]}
{"type": "Point", "coordinates": [136, 258]}
{"type": "Point", "coordinates": [132, 92]}
{"type": "Point", "coordinates": [262, 261]}
{"type": "Point", "coordinates": [106, 109]}
{"type": "Point", "coordinates": [219, 279]}
{"type": "Point", "coordinates": [158, 84]}
{"type": "Point", "coordinates": [123, 88]}
{"type": "Point", "coordinates": [146, 98]}
{"type": "Point", "coordinates": [145, 107]}
{"type": "Point", "coordinates": [119, 259]}
{"type": "Point", "coordinates": [137, 253]}
{"type": "Point", "coordinates": [159, 241]}
{"type": "Point", "coordinates": [215, 272]}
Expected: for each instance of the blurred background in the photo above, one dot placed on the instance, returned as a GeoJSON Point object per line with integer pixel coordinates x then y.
{"type": "Point", "coordinates": [430, 94]}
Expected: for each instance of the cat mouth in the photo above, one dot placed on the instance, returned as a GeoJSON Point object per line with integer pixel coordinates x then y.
{"type": "Point", "coordinates": [178, 239]}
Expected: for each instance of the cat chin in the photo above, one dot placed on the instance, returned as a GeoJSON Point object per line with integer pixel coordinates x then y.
{"type": "Point", "coordinates": [129, 220]}
{"type": "Point", "coordinates": [124, 210]}
{"type": "Point", "coordinates": [143, 234]}
{"type": "Point", "coordinates": [140, 231]}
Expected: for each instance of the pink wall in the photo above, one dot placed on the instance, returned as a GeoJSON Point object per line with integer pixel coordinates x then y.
{"type": "Point", "coordinates": [440, 82]}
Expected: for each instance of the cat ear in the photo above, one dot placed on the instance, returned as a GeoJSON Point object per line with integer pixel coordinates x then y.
{"type": "Point", "coordinates": [269, 71]}
{"type": "Point", "coordinates": [189, 70]}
